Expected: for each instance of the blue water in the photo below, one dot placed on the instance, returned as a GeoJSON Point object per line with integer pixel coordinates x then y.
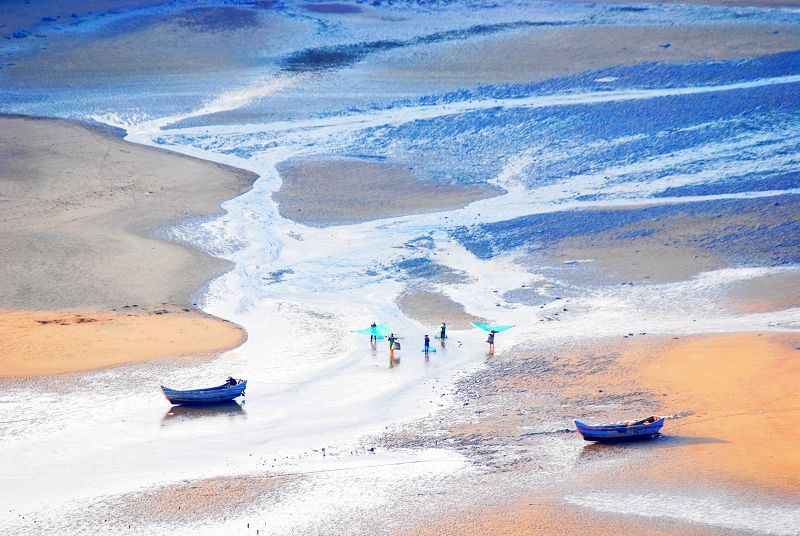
{"type": "Point", "coordinates": [675, 146]}
{"type": "Point", "coordinates": [762, 241]}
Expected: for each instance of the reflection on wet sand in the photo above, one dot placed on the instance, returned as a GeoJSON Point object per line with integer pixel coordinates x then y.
{"type": "Point", "coordinates": [230, 409]}
{"type": "Point", "coordinates": [601, 451]}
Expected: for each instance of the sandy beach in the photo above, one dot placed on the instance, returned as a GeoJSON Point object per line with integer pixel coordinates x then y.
{"type": "Point", "coordinates": [82, 210]}
{"type": "Point", "coordinates": [55, 342]}
{"type": "Point", "coordinates": [723, 434]}
{"type": "Point", "coordinates": [741, 390]}
{"type": "Point", "coordinates": [556, 519]}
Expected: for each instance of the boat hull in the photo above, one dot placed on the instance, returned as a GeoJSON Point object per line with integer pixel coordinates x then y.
{"type": "Point", "coordinates": [212, 395]}
{"type": "Point", "coordinates": [617, 433]}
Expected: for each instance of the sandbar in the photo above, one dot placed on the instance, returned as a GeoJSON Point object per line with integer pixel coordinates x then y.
{"type": "Point", "coordinates": [432, 308]}
{"type": "Point", "coordinates": [324, 192]}
{"type": "Point", "coordinates": [677, 244]}
{"type": "Point", "coordinates": [80, 212]}
{"type": "Point", "coordinates": [86, 281]}
{"type": "Point", "coordinates": [542, 53]}
{"type": "Point", "coordinates": [34, 343]}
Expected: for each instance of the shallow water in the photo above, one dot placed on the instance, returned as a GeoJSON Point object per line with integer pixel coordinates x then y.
{"type": "Point", "coordinates": [701, 137]}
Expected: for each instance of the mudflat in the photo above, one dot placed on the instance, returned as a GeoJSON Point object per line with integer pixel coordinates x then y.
{"type": "Point", "coordinates": [543, 53]}
{"type": "Point", "coordinates": [328, 192]}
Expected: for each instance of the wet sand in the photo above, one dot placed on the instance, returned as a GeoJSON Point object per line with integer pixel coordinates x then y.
{"type": "Point", "coordinates": [736, 429]}
{"type": "Point", "coordinates": [364, 190]}
{"type": "Point", "coordinates": [81, 212]}
{"type": "Point", "coordinates": [157, 48]}
{"type": "Point", "coordinates": [732, 3]}
{"type": "Point", "coordinates": [195, 500]}
{"type": "Point", "coordinates": [34, 343]}
{"type": "Point", "coordinates": [543, 53]}
{"type": "Point", "coordinates": [771, 292]}
{"type": "Point", "coordinates": [742, 391]}
{"type": "Point", "coordinates": [543, 516]}
{"type": "Point", "coordinates": [432, 308]}
{"type": "Point", "coordinates": [677, 246]}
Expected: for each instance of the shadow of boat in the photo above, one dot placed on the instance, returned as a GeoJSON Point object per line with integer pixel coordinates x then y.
{"type": "Point", "coordinates": [228, 409]}
{"type": "Point", "coordinates": [602, 451]}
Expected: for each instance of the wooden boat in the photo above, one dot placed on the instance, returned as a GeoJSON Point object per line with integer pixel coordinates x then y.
{"type": "Point", "coordinates": [629, 431]}
{"type": "Point", "coordinates": [209, 395]}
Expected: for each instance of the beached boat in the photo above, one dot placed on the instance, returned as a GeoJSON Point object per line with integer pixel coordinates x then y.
{"type": "Point", "coordinates": [209, 395]}
{"type": "Point", "coordinates": [629, 431]}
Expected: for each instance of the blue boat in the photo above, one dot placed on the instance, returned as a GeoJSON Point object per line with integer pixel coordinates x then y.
{"type": "Point", "coordinates": [630, 431]}
{"type": "Point", "coordinates": [211, 395]}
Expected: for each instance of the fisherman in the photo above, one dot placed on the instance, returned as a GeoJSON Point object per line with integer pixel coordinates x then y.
{"type": "Point", "coordinates": [490, 340]}
{"type": "Point", "coordinates": [231, 381]}
{"type": "Point", "coordinates": [427, 344]}
{"type": "Point", "coordinates": [392, 339]}
{"type": "Point", "coordinates": [443, 334]}
{"type": "Point", "coordinates": [373, 337]}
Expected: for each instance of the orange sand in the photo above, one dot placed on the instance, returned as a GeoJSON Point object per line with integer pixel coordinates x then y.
{"type": "Point", "coordinates": [34, 343]}
{"type": "Point", "coordinates": [191, 500]}
{"type": "Point", "coordinates": [548, 518]}
{"type": "Point", "coordinates": [743, 392]}
{"type": "Point", "coordinates": [744, 431]}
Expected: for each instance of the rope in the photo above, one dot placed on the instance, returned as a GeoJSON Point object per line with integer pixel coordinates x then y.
{"type": "Point", "coordinates": [781, 410]}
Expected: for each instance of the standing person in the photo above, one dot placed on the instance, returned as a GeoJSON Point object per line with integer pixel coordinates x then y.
{"type": "Point", "coordinates": [427, 344]}
{"type": "Point", "coordinates": [490, 340]}
{"type": "Point", "coordinates": [443, 333]}
{"type": "Point", "coordinates": [373, 338]}
{"type": "Point", "coordinates": [392, 339]}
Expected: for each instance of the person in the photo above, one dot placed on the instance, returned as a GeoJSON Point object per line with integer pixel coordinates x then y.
{"type": "Point", "coordinates": [443, 334]}
{"type": "Point", "coordinates": [373, 336]}
{"type": "Point", "coordinates": [231, 381]}
{"type": "Point", "coordinates": [490, 340]}
{"type": "Point", "coordinates": [392, 339]}
{"type": "Point", "coordinates": [427, 344]}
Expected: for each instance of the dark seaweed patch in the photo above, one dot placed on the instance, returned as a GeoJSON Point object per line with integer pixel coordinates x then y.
{"type": "Point", "coordinates": [421, 268]}
{"type": "Point", "coordinates": [218, 19]}
{"type": "Point", "coordinates": [339, 9]}
{"type": "Point", "coordinates": [337, 56]}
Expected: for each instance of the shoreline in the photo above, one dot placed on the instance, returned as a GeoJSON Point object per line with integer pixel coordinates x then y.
{"type": "Point", "coordinates": [726, 441]}
{"type": "Point", "coordinates": [89, 241]}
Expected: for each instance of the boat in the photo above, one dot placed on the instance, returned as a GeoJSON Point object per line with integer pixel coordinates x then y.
{"type": "Point", "coordinates": [628, 431]}
{"type": "Point", "coordinates": [211, 395]}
